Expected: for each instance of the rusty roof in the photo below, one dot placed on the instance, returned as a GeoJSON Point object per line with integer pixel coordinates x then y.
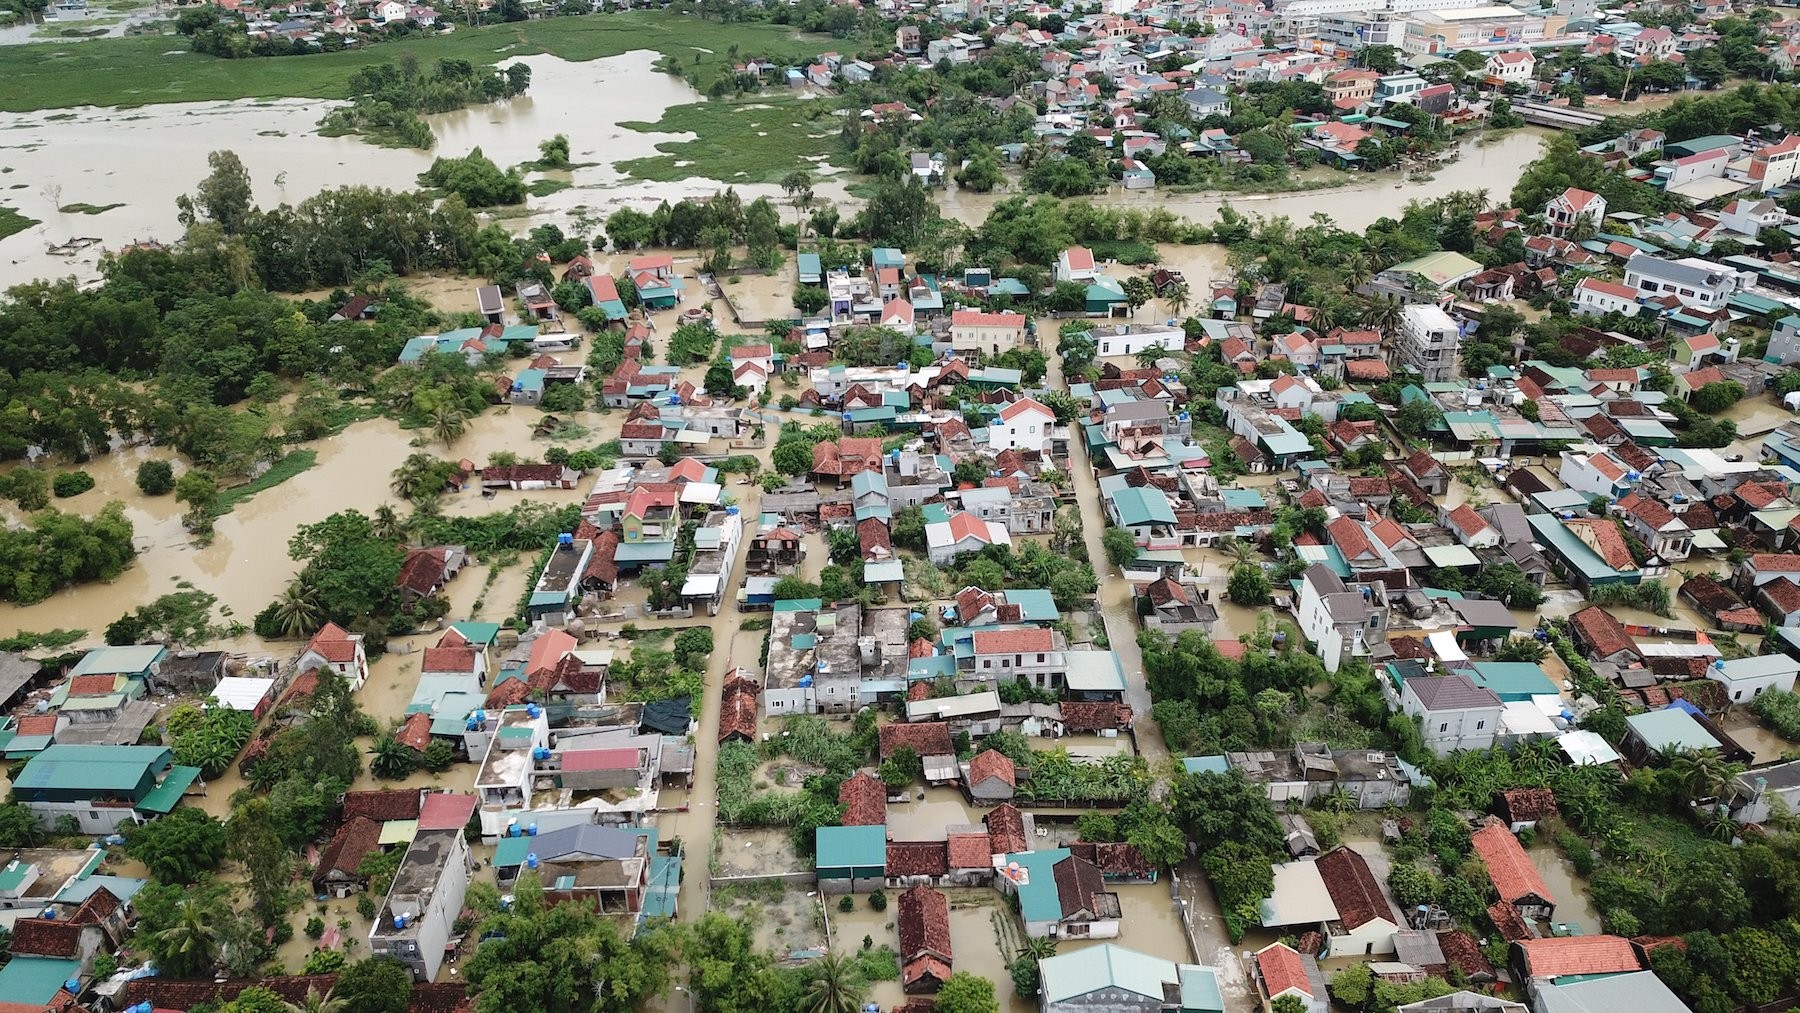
{"type": "Point", "coordinates": [1006, 829]}
{"type": "Point", "coordinates": [1094, 715]}
{"type": "Point", "coordinates": [349, 846]}
{"type": "Point", "coordinates": [924, 922]}
{"type": "Point", "coordinates": [927, 738]}
{"type": "Point", "coordinates": [992, 763]}
{"type": "Point", "coordinates": [918, 858]}
{"type": "Point", "coordinates": [1603, 634]}
{"type": "Point", "coordinates": [1353, 889]}
{"type": "Point", "coordinates": [382, 806]}
{"type": "Point", "coordinates": [864, 798]}
{"type": "Point", "coordinates": [1557, 956]}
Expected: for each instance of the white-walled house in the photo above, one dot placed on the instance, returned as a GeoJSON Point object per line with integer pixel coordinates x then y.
{"type": "Point", "coordinates": [1132, 339]}
{"type": "Point", "coordinates": [1570, 207]}
{"type": "Point", "coordinates": [1452, 711]}
{"type": "Point", "coordinates": [1023, 425]}
{"type": "Point", "coordinates": [1076, 264]}
{"type": "Point", "coordinates": [1694, 281]}
{"type": "Point", "coordinates": [1338, 622]}
{"type": "Point", "coordinates": [1745, 679]}
{"type": "Point", "coordinates": [1597, 297]}
{"type": "Point", "coordinates": [1511, 67]}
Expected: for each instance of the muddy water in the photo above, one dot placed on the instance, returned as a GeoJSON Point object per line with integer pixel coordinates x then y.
{"type": "Point", "coordinates": [1764, 745]}
{"type": "Point", "coordinates": [1494, 166]}
{"type": "Point", "coordinates": [1573, 905]}
{"type": "Point", "coordinates": [288, 161]}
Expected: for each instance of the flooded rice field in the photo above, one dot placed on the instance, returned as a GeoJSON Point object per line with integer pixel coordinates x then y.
{"type": "Point", "coordinates": [71, 156]}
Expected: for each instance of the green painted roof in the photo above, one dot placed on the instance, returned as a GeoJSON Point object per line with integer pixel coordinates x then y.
{"type": "Point", "coordinates": [852, 847]}
{"type": "Point", "coordinates": [1671, 728]}
{"type": "Point", "coordinates": [1069, 976]}
{"type": "Point", "coordinates": [1035, 604]}
{"type": "Point", "coordinates": [165, 796]}
{"type": "Point", "coordinates": [1140, 505]}
{"type": "Point", "coordinates": [118, 660]}
{"type": "Point", "coordinates": [96, 768]}
{"type": "Point", "coordinates": [1440, 268]}
{"type": "Point", "coordinates": [13, 875]}
{"type": "Point", "coordinates": [1200, 989]}
{"type": "Point", "coordinates": [1513, 680]}
{"type": "Point", "coordinates": [1039, 900]}
{"type": "Point", "coordinates": [511, 851]}
{"type": "Point", "coordinates": [35, 980]}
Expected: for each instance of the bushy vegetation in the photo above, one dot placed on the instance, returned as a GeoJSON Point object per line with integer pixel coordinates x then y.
{"type": "Point", "coordinates": [387, 100]}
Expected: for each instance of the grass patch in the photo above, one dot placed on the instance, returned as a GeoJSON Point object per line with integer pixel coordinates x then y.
{"type": "Point", "coordinates": [757, 139]}
{"type": "Point", "coordinates": [138, 71]}
{"type": "Point", "coordinates": [293, 464]}
{"type": "Point", "coordinates": [12, 222]}
{"type": "Point", "coordinates": [546, 187]}
{"type": "Point", "coordinates": [87, 209]}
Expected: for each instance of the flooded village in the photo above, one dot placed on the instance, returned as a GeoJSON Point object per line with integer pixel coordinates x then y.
{"type": "Point", "coordinates": [1308, 524]}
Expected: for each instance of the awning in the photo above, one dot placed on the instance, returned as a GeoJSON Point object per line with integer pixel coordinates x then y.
{"type": "Point", "coordinates": [165, 796]}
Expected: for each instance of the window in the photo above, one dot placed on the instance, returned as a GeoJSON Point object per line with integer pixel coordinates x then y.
{"type": "Point", "coordinates": [987, 663]}
{"type": "Point", "coordinates": [1444, 727]}
{"type": "Point", "coordinates": [1479, 725]}
{"type": "Point", "coordinates": [1040, 659]}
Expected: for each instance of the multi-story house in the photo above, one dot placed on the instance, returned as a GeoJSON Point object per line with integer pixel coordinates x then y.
{"type": "Point", "coordinates": [1340, 623]}
{"type": "Point", "coordinates": [1429, 339]}
{"type": "Point", "coordinates": [1695, 282]}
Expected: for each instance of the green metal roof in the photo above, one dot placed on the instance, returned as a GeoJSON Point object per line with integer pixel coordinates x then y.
{"type": "Point", "coordinates": [511, 851]}
{"type": "Point", "coordinates": [164, 797]}
{"type": "Point", "coordinates": [96, 768]}
{"type": "Point", "coordinates": [118, 660]}
{"type": "Point", "coordinates": [1671, 728]}
{"type": "Point", "coordinates": [1035, 604]}
{"type": "Point", "coordinates": [852, 847]}
{"type": "Point", "coordinates": [1576, 552]}
{"type": "Point", "coordinates": [1039, 900]}
{"type": "Point", "coordinates": [1200, 992]}
{"type": "Point", "coordinates": [35, 980]}
{"type": "Point", "coordinates": [1138, 505]}
{"type": "Point", "coordinates": [13, 875]}
{"type": "Point", "coordinates": [1069, 976]}
{"type": "Point", "coordinates": [1513, 680]}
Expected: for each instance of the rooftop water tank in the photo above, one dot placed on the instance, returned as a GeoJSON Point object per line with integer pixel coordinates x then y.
{"type": "Point", "coordinates": [531, 861]}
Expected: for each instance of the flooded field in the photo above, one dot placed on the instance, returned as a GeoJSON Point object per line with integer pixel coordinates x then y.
{"type": "Point", "coordinates": [789, 920]}
{"type": "Point", "coordinates": [754, 851]}
{"type": "Point", "coordinates": [69, 157]}
{"type": "Point", "coordinates": [1573, 905]}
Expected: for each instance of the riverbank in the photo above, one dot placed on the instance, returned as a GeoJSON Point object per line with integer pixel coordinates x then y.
{"type": "Point", "coordinates": [146, 70]}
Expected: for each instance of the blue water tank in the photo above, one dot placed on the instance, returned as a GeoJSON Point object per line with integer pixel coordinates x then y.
{"type": "Point", "coordinates": [399, 921]}
{"type": "Point", "coordinates": [674, 398]}
{"type": "Point", "coordinates": [533, 711]}
{"type": "Point", "coordinates": [517, 386]}
{"type": "Point", "coordinates": [731, 511]}
{"type": "Point", "coordinates": [846, 416]}
{"type": "Point", "coordinates": [481, 716]}
{"type": "Point", "coordinates": [565, 539]}
{"type": "Point", "coordinates": [49, 914]}
{"type": "Point", "coordinates": [540, 753]}
{"type": "Point", "coordinates": [531, 830]}
{"type": "Point", "coordinates": [531, 861]}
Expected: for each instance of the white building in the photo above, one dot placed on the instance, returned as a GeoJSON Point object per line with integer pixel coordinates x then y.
{"type": "Point", "coordinates": [1696, 282]}
{"type": "Point", "coordinates": [1598, 473]}
{"type": "Point", "coordinates": [1132, 339]}
{"type": "Point", "coordinates": [1428, 343]}
{"type": "Point", "coordinates": [1571, 206]}
{"type": "Point", "coordinates": [1512, 67]}
{"type": "Point", "coordinates": [426, 897]}
{"type": "Point", "coordinates": [1597, 297]}
{"type": "Point", "coordinates": [981, 331]}
{"type": "Point", "coordinates": [1784, 341]}
{"type": "Point", "coordinates": [1453, 713]}
{"type": "Point", "coordinates": [1745, 679]}
{"type": "Point", "coordinates": [1023, 425]}
{"type": "Point", "coordinates": [1076, 264]}
{"type": "Point", "coordinates": [1338, 622]}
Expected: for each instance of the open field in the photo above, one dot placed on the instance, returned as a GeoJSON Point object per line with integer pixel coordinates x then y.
{"type": "Point", "coordinates": [150, 69]}
{"type": "Point", "coordinates": [758, 139]}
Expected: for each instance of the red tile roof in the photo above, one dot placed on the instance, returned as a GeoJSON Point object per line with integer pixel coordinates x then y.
{"type": "Point", "coordinates": [424, 570]}
{"type": "Point", "coordinates": [1466, 520]}
{"type": "Point", "coordinates": [971, 851]}
{"type": "Point", "coordinates": [1607, 541]}
{"type": "Point", "coordinates": [1781, 592]}
{"type": "Point", "coordinates": [1513, 875]}
{"type": "Point", "coordinates": [1523, 804]}
{"type": "Point", "coordinates": [992, 763]}
{"type": "Point", "coordinates": [924, 922]}
{"type": "Point", "coordinates": [1282, 970]}
{"type": "Point", "coordinates": [1114, 858]}
{"type": "Point", "coordinates": [333, 644]}
{"type": "Point", "coordinates": [382, 806]}
{"type": "Point", "coordinates": [1601, 632]}
{"type": "Point", "coordinates": [1006, 829]}
{"type": "Point", "coordinates": [93, 685]}
{"type": "Point", "coordinates": [415, 731]}
{"type": "Point", "coordinates": [976, 318]}
{"type": "Point", "coordinates": [1094, 715]}
{"type": "Point", "coordinates": [1508, 920]}
{"type": "Point", "coordinates": [927, 738]}
{"type": "Point", "coordinates": [448, 659]}
{"type": "Point", "coordinates": [1775, 562]}
{"type": "Point", "coordinates": [864, 798]}
{"type": "Point", "coordinates": [737, 709]}
{"type": "Point", "coordinates": [1464, 953]}
{"type": "Point", "coordinates": [1034, 640]}
{"type": "Point", "coordinates": [918, 858]}
{"type": "Point", "coordinates": [349, 846]}
{"type": "Point", "coordinates": [1557, 956]}
{"type": "Point", "coordinates": [44, 937]}
{"type": "Point", "coordinates": [1350, 538]}
{"type": "Point", "coordinates": [874, 539]}
{"type": "Point", "coordinates": [1353, 888]}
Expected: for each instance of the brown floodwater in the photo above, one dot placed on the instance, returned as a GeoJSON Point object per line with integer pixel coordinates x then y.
{"type": "Point", "coordinates": [1573, 904]}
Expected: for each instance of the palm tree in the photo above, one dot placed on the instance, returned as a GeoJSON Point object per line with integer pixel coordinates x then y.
{"type": "Point", "coordinates": [316, 1003]}
{"type": "Point", "coordinates": [387, 524]}
{"type": "Point", "coordinates": [1383, 314]}
{"type": "Point", "coordinates": [1356, 271]}
{"type": "Point", "coordinates": [392, 759]}
{"type": "Point", "coordinates": [835, 987]}
{"type": "Point", "coordinates": [192, 941]}
{"type": "Point", "coordinates": [449, 423]}
{"type": "Point", "coordinates": [1700, 772]}
{"type": "Point", "coordinates": [297, 612]}
{"type": "Point", "coordinates": [1177, 296]}
{"type": "Point", "coordinates": [1241, 551]}
{"type": "Point", "coordinates": [414, 476]}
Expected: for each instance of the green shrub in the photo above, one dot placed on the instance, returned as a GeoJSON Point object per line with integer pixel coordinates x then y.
{"type": "Point", "coordinates": [847, 904]}
{"type": "Point", "coordinates": [71, 483]}
{"type": "Point", "coordinates": [155, 478]}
